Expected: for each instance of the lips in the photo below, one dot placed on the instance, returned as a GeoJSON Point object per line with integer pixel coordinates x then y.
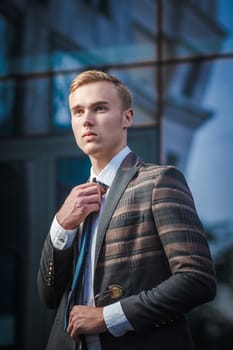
{"type": "Point", "coordinates": [88, 134]}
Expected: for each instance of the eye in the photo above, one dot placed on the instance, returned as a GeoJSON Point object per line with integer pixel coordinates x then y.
{"type": "Point", "coordinates": [78, 112]}
{"type": "Point", "coordinates": [100, 108]}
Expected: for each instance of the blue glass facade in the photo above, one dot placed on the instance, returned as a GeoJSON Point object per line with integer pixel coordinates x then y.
{"type": "Point", "coordinates": [177, 58]}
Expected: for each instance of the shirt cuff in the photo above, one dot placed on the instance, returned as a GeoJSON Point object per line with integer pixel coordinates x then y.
{"type": "Point", "coordinates": [116, 320]}
{"type": "Point", "coordinates": [61, 238]}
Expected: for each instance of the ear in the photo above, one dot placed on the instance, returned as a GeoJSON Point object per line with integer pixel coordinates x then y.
{"type": "Point", "coordinates": [128, 118]}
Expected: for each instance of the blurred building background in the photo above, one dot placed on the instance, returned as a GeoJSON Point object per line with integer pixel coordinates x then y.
{"type": "Point", "coordinates": [177, 58]}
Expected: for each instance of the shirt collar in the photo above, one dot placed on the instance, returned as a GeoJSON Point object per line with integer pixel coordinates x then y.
{"type": "Point", "coordinates": [108, 173]}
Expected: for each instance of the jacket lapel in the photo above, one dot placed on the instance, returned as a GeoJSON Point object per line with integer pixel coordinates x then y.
{"type": "Point", "coordinates": [125, 173]}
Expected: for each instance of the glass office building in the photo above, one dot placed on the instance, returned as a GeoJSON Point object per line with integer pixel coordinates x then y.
{"type": "Point", "coordinates": [177, 58]}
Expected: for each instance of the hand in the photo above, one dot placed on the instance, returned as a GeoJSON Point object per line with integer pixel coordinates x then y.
{"type": "Point", "coordinates": [82, 200]}
{"type": "Point", "coordinates": [85, 320]}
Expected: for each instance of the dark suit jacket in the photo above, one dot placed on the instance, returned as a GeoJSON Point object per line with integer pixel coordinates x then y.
{"type": "Point", "coordinates": [150, 242]}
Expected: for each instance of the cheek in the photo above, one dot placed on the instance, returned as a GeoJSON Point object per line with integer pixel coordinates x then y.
{"type": "Point", "coordinates": [111, 131]}
{"type": "Point", "coordinates": [76, 130]}
{"type": "Point", "coordinates": [114, 125]}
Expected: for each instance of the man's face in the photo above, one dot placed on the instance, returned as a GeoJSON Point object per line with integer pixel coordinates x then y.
{"type": "Point", "coordinates": [99, 124]}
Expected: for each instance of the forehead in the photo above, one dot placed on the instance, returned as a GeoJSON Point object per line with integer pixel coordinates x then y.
{"type": "Point", "coordinates": [94, 92]}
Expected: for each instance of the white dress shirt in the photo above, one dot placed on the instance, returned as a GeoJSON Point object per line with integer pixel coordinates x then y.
{"type": "Point", "coordinates": [114, 316]}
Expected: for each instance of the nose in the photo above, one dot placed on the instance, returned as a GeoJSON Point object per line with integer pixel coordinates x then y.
{"type": "Point", "coordinates": [88, 118]}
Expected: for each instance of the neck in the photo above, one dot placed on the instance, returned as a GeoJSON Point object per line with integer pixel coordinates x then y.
{"type": "Point", "coordinates": [99, 164]}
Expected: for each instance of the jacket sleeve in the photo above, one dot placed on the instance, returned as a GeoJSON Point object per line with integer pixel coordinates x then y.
{"type": "Point", "coordinates": [54, 273]}
{"type": "Point", "coordinates": [192, 281]}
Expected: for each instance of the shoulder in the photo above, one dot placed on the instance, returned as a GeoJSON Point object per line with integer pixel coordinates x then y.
{"type": "Point", "coordinates": [156, 170]}
{"type": "Point", "coordinates": [163, 177]}
{"type": "Point", "coordinates": [152, 172]}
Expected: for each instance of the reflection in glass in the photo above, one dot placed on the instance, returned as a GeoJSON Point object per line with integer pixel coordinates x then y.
{"type": "Point", "coordinates": [192, 28]}
{"type": "Point", "coordinates": [224, 17]}
{"type": "Point", "coordinates": [7, 95]}
{"type": "Point", "coordinates": [61, 113]}
{"type": "Point", "coordinates": [70, 172]}
{"type": "Point", "coordinates": [7, 88]}
{"type": "Point", "coordinates": [210, 173]}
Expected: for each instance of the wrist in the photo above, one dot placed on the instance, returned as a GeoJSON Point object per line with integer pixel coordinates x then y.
{"type": "Point", "coordinates": [66, 224]}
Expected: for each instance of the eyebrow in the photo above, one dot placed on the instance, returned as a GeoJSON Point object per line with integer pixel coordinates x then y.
{"type": "Point", "coordinates": [94, 104]}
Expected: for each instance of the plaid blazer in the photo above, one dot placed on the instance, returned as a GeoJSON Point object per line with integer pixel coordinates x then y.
{"type": "Point", "coordinates": [151, 245]}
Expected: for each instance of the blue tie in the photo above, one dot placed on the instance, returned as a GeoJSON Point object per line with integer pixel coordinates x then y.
{"type": "Point", "coordinates": [79, 265]}
{"type": "Point", "coordinates": [81, 258]}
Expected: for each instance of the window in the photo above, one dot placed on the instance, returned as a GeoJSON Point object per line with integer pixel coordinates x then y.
{"type": "Point", "coordinates": [102, 6]}
{"type": "Point", "coordinates": [70, 172]}
{"type": "Point", "coordinates": [172, 158]}
{"type": "Point", "coordinates": [191, 79]}
{"type": "Point", "coordinates": [7, 88]}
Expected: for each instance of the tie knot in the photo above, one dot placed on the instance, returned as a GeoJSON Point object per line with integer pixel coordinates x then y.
{"type": "Point", "coordinates": [100, 183]}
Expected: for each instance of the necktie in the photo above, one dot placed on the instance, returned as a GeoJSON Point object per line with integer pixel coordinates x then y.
{"type": "Point", "coordinates": [81, 258]}
{"type": "Point", "coordinates": [79, 265]}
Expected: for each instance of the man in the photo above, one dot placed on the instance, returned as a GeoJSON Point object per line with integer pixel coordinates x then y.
{"type": "Point", "coordinates": [148, 261]}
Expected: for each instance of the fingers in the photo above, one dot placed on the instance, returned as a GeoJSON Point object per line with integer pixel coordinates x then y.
{"type": "Point", "coordinates": [70, 326]}
{"type": "Point", "coordinates": [87, 199]}
{"type": "Point", "coordinates": [73, 328]}
{"type": "Point", "coordinates": [73, 332]}
{"type": "Point", "coordinates": [85, 320]}
{"type": "Point", "coordinates": [81, 201]}
{"type": "Point", "coordinates": [90, 192]}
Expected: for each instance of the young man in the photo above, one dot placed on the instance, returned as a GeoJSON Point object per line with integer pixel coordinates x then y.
{"type": "Point", "coordinates": [147, 262]}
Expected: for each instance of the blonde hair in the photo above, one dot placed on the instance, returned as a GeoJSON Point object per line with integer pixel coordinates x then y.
{"type": "Point", "coordinates": [92, 76]}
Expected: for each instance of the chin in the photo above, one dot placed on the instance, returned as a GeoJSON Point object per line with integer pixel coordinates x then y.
{"type": "Point", "coordinates": [92, 151]}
